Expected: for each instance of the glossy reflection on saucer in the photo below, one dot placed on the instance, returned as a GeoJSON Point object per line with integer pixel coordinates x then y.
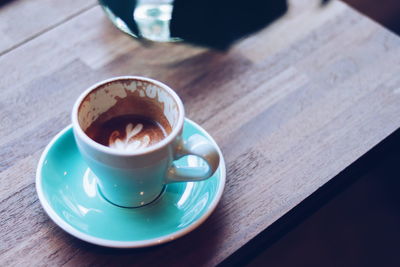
{"type": "Point", "coordinates": [68, 192]}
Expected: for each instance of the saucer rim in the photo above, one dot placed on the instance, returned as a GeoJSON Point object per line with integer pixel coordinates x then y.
{"type": "Point", "coordinates": [126, 244]}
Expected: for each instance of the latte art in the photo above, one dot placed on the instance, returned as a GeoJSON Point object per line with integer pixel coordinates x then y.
{"type": "Point", "coordinates": [128, 132]}
{"type": "Point", "coordinates": [129, 141]}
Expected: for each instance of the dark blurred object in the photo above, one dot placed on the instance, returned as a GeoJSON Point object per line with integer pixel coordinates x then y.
{"type": "Point", "coordinates": [121, 14]}
{"type": "Point", "coordinates": [210, 23]}
{"type": "Point", "coordinates": [4, 2]}
{"type": "Point", "coordinates": [220, 23]}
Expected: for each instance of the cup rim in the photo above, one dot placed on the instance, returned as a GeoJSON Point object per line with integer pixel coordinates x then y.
{"type": "Point", "coordinates": [170, 137]}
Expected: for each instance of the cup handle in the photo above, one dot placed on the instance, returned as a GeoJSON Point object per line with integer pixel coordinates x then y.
{"type": "Point", "coordinates": [199, 146]}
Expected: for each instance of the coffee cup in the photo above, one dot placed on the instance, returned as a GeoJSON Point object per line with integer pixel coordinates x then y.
{"type": "Point", "coordinates": [129, 131]}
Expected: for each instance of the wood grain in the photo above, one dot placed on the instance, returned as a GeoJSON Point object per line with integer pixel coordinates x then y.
{"type": "Point", "coordinates": [291, 107]}
{"type": "Point", "coordinates": [23, 20]}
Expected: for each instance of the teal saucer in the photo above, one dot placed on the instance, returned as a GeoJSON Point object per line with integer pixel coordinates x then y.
{"type": "Point", "coordinates": [68, 193]}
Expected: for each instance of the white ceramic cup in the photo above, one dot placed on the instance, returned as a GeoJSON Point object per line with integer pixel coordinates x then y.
{"type": "Point", "coordinates": [136, 178]}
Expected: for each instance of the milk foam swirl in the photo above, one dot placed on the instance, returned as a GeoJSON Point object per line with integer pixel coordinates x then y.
{"type": "Point", "coordinates": [130, 141]}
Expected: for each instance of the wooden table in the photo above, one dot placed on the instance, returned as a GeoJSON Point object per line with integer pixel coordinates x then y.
{"type": "Point", "coordinates": [291, 107]}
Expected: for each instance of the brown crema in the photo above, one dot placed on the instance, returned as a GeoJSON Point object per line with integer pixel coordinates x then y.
{"type": "Point", "coordinates": [133, 123]}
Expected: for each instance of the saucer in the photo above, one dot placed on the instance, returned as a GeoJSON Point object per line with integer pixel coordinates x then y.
{"type": "Point", "coordinates": [68, 193]}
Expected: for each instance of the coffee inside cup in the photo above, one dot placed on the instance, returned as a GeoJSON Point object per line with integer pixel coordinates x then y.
{"type": "Point", "coordinates": [128, 114]}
